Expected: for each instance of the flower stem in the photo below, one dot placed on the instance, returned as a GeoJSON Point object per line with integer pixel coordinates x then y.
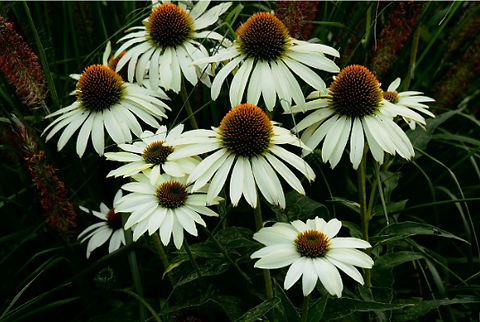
{"type": "Point", "coordinates": [163, 258]}
{"type": "Point", "coordinates": [225, 254]}
{"type": "Point", "coordinates": [305, 308]}
{"type": "Point", "coordinates": [257, 212]}
{"type": "Point", "coordinates": [364, 216]}
{"type": "Point", "coordinates": [413, 57]}
{"type": "Point", "coordinates": [132, 262]}
{"type": "Point", "coordinates": [194, 262]}
{"type": "Point", "coordinates": [188, 108]}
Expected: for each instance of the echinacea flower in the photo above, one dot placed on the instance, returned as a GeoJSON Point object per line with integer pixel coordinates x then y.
{"type": "Point", "coordinates": [151, 152]}
{"type": "Point", "coordinates": [109, 228]}
{"type": "Point", "coordinates": [104, 100]}
{"type": "Point", "coordinates": [313, 252]}
{"type": "Point", "coordinates": [167, 206]}
{"type": "Point", "coordinates": [353, 110]}
{"type": "Point", "coordinates": [405, 101]}
{"type": "Point", "coordinates": [165, 47]}
{"type": "Point", "coordinates": [246, 143]}
{"type": "Point", "coordinates": [267, 56]}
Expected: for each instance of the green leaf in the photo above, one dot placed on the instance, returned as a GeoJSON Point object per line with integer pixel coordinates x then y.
{"type": "Point", "coordinates": [417, 309]}
{"type": "Point", "coordinates": [300, 207]}
{"type": "Point", "coordinates": [411, 228]}
{"type": "Point", "coordinates": [395, 259]}
{"type": "Point", "coordinates": [390, 182]}
{"type": "Point", "coordinates": [229, 304]}
{"type": "Point", "coordinates": [391, 207]}
{"type": "Point", "coordinates": [420, 137]}
{"type": "Point", "coordinates": [316, 310]}
{"type": "Point", "coordinates": [338, 308]}
{"type": "Point", "coordinates": [288, 312]}
{"type": "Point", "coordinates": [210, 268]}
{"type": "Point", "coordinates": [352, 205]}
{"type": "Point", "coordinates": [234, 237]}
{"type": "Point", "coordinates": [259, 310]}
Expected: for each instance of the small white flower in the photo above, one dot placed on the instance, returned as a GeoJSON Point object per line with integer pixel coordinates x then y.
{"type": "Point", "coordinates": [167, 205]}
{"type": "Point", "coordinates": [403, 102]}
{"type": "Point", "coordinates": [313, 252]}
{"type": "Point", "coordinates": [165, 47]}
{"type": "Point", "coordinates": [110, 227]}
{"type": "Point", "coordinates": [151, 152]}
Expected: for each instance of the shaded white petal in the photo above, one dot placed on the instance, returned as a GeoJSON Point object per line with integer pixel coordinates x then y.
{"type": "Point", "coordinates": [220, 77]}
{"type": "Point", "coordinates": [351, 256]}
{"type": "Point", "coordinates": [332, 228]}
{"type": "Point", "coordinates": [309, 279]}
{"type": "Point", "coordinates": [240, 82]}
{"type": "Point", "coordinates": [294, 273]}
{"type": "Point", "coordinates": [329, 276]}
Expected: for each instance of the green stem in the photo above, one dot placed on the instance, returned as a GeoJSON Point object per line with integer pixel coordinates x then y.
{"type": "Point", "coordinates": [225, 254]}
{"type": "Point", "coordinates": [305, 308]}
{"type": "Point", "coordinates": [257, 212]}
{"type": "Point", "coordinates": [380, 191]}
{"type": "Point", "coordinates": [364, 216]}
{"type": "Point", "coordinates": [194, 262]}
{"type": "Point", "coordinates": [188, 108]}
{"type": "Point", "coordinates": [163, 258]}
{"type": "Point", "coordinates": [413, 57]}
{"type": "Point", "coordinates": [132, 261]}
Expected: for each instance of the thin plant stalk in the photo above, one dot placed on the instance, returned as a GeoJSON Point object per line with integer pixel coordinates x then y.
{"type": "Point", "coordinates": [194, 262]}
{"type": "Point", "coordinates": [225, 254]}
{"type": "Point", "coordinates": [163, 258]}
{"type": "Point", "coordinates": [257, 212]}
{"type": "Point", "coordinates": [188, 108]}
{"type": "Point", "coordinates": [364, 216]}
{"type": "Point", "coordinates": [132, 261]}
{"type": "Point", "coordinates": [305, 308]}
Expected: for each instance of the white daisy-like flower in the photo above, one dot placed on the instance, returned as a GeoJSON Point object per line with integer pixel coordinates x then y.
{"type": "Point", "coordinates": [313, 252]}
{"type": "Point", "coordinates": [404, 101]}
{"type": "Point", "coordinates": [246, 143]}
{"type": "Point", "coordinates": [167, 205]}
{"type": "Point", "coordinates": [165, 47]}
{"type": "Point", "coordinates": [267, 56]}
{"type": "Point", "coordinates": [151, 152]}
{"type": "Point", "coordinates": [104, 100]}
{"type": "Point", "coordinates": [353, 110]}
{"type": "Point", "coordinates": [109, 228]}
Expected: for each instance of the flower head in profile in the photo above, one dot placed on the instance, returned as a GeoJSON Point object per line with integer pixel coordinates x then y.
{"type": "Point", "coordinates": [355, 110]}
{"type": "Point", "coordinates": [105, 101]}
{"type": "Point", "coordinates": [151, 152]}
{"type": "Point", "coordinates": [165, 47]}
{"type": "Point", "coordinates": [404, 102]}
{"type": "Point", "coordinates": [313, 252]}
{"type": "Point", "coordinates": [247, 144]}
{"type": "Point", "coordinates": [167, 205]}
{"type": "Point", "coordinates": [267, 56]}
{"type": "Point", "coordinates": [109, 228]}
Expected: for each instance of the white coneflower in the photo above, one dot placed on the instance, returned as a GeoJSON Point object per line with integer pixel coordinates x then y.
{"type": "Point", "coordinates": [313, 252]}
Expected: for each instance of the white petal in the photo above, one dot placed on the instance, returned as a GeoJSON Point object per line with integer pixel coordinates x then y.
{"type": "Point", "coordinates": [329, 276]}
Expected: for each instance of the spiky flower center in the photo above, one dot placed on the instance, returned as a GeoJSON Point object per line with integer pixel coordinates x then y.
{"type": "Point", "coordinates": [391, 96]}
{"type": "Point", "coordinates": [114, 219]}
{"type": "Point", "coordinates": [355, 92]}
{"type": "Point", "coordinates": [169, 26]}
{"type": "Point", "coordinates": [312, 243]}
{"type": "Point", "coordinates": [262, 37]}
{"type": "Point", "coordinates": [156, 152]}
{"type": "Point", "coordinates": [172, 194]}
{"type": "Point", "coordinates": [246, 131]}
{"type": "Point", "coordinates": [112, 64]}
{"type": "Point", "coordinates": [99, 88]}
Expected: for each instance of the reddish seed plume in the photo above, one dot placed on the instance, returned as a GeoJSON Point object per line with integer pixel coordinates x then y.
{"type": "Point", "coordinates": [59, 212]}
{"type": "Point", "coordinates": [394, 35]}
{"type": "Point", "coordinates": [294, 15]}
{"type": "Point", "coordinates": [21, 67]}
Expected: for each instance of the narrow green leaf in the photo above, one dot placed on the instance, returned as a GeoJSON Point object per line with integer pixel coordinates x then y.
{"type": "Point", "coordinates": [395, 259]}
{"type": "Point", "coordinates": [288, 312]}
{"type": "Point", "coordinates": [259, 310]}
{"type": "Point", "coordinates": [316, 310]}
{"type": "Point", "coordinates": [338, 308]}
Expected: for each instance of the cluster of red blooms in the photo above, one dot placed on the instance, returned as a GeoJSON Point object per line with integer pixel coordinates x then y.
{"type": "Point", "coordinates": [466, 66]}
{"type": "Point", "coordinates": [293, 14]}
{"type": "Point", "coordinates": [59, 212]}
{"type": "Point", "coordinates": [394, 35]}
{"type": "Point", "coordinates": [21, 67]}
